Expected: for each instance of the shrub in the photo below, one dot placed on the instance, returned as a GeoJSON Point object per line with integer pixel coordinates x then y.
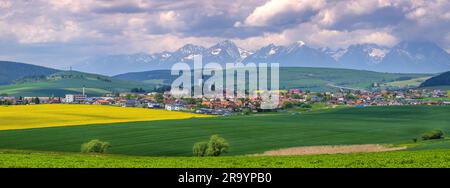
{"type": "Point", "coordinates": [246, 111]}
{"type": "Point", "coordinates": [95, 146]}
{"type": "Point", "coordinates": [216, 146]}
{"type": "Point", "coordinates": [296, 96]}
{"type": "Point", "coordinates": [434, 134]}
{"type": "Point", "coordinates": [287, 105]}
{"type": "Point", "coordinates": [200, 148]}
{"type": "Point", "coordinates": [306, 105]}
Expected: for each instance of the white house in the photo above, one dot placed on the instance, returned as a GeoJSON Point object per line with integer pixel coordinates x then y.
{"type": "Point", "coordinates": [74, 98]}
{"type": "Point", "coordinates": [175, 107]}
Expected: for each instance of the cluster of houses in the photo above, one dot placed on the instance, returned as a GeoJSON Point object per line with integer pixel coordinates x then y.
{"type": "Point", "coordinates": [388, 98]}
{"type": "Point", "coordinates": [9, 100]}
{"type": "Point", "coordinates": [380, 97]}
{"type": "Point", "coordinates": [229, 106]}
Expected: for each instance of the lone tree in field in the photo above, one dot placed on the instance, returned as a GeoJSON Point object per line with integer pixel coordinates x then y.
{"type": "Point", "coordinates": [95, 146]}
{"type": "Point", "coordinates": [214, 147]}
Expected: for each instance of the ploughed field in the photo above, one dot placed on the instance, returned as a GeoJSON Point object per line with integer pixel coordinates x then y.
{"type": "Point", "coordinates": [246, 134]}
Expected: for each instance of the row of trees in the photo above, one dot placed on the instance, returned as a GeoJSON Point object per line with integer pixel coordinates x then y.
{"type": "Point", "coordinates": [288, 105]}
{"type": "Point", "coordinates": [33, 100]}
{"type": "Point", "coordinates": [214, 147]}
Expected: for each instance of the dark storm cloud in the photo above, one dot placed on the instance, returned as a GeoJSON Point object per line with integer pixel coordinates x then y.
{"type": "Point", "coordinates": [383, 17]}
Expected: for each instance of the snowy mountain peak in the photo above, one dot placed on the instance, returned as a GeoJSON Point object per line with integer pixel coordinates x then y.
{"type": "Point", "coordinates": [335, 54]}
{"type": "Point", "coordinates": [165, 55]}
{"type": "Point", "coordinates": [244, 53]}
{"type": "Point", "coordinates": [223, 51]}
{"type": "Point", "coordinates": [412, 57]}
{"type": "Point", "coordinates": [300, 43]}
{"type": "Point", "coordinates": [216, 51]}
{"type": "Point", "coordinates": [266, 51]}
{"type": "Point", "coordinates": [377, 53]}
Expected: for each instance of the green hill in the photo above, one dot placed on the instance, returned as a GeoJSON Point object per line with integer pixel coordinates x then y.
{"type": "Point", "coordinates": [442, 80]}
{"type": "Point", "coordinates": [61, 83]}
{"type": "Point", "coordinates": [10, 71]}
{"type": "Point", "coordinates": [314, 79]}
{"type": "Point", "coordinates": [31, 80]}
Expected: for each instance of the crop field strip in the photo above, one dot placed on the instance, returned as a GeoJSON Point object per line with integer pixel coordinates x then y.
{"type": "Point", "coordinates": [39, 116]}
{"type": "Point", "coordinates": [246, 134]}
{"type": "Point", "coordinates": [396, 159]}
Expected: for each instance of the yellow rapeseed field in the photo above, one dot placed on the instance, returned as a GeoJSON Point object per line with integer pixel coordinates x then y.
{"type": "Point", "coordinates": [52, 115]}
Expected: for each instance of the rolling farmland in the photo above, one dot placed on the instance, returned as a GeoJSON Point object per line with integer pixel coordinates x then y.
{"type": "Point", "coordinates": [246, 134]}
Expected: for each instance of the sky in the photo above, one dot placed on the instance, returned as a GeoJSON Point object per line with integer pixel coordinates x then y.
{"type": "Point", "coordinates": [58, 33]}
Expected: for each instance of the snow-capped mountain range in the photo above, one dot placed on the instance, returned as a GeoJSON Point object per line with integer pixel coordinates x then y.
{"type": "Point", "coordinates": [411, 57]}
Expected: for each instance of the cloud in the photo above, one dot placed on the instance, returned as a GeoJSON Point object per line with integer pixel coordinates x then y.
{"type": "Point", "coordinates": [316, 36]}
{"type": "Point", "coordinates": [70, 5]}
{"type": "Point", "coordinates": [5, 4]}
{"type": "Point", "coordinates": [171, 20]}
{"type": "Point", "coordinates": [42, 30]}
{"type": "Point", "coordinates": [87, 27]}
{"type": "Point", "coordinates": [336, 23]}
{"type": "Point", "coordinates": [276, 12]}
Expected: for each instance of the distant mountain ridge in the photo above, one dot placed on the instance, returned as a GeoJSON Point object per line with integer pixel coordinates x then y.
{"type": "Point", "coordinates": [11, 71]}
{"type": "Point", "coordinates": [361, 56]}
{"type": "Point", "coordinates": [415, 56]}
{"type": "Point", "coordinates": [405, 57]}
{"type": "Point", "coordinates": [294, 55]}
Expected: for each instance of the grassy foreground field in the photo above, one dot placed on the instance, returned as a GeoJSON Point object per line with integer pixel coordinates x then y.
{"type": "Point", "coordinates": [401, 159]}
{"type": "Point", "coordinates": [38, 116]}
{"type": "Point", "coordinates": [246, 134]}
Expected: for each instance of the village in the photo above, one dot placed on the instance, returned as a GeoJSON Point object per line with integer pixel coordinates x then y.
{"type": "Point", "coordinates": [292, 98]}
